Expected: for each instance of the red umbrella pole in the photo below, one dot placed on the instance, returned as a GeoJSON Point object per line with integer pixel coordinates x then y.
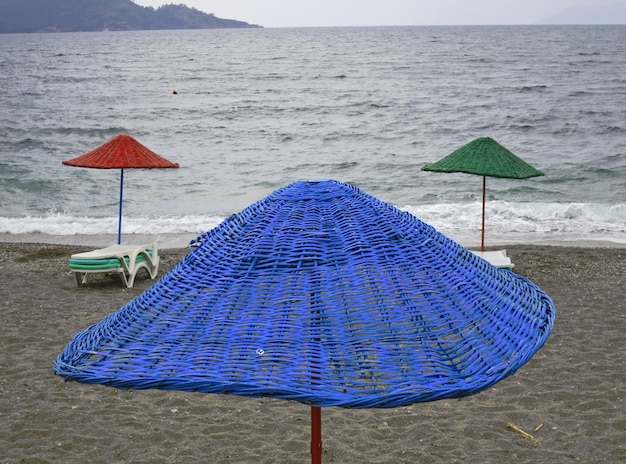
{"type": "Point", "coordinates": [482, 241]}
{"type": "Point", "coordinates": [316, 435]}
{"type": "Point", "coordinates": [316, 417]}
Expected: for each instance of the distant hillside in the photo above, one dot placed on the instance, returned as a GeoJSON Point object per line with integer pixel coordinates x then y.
{"type": "Point", "coordinates": [614, 13]}
{"type": "Point", "coordinates": [23, 16]}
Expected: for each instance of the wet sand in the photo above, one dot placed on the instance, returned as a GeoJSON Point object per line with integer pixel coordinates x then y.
{"type": "Point", "coordinates": [574, 388]}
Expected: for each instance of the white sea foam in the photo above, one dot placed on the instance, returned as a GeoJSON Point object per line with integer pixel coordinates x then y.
{"type": "Point", "coordinates": [506, 222]}
{"type": "Point", "coordinates": [62, 224]}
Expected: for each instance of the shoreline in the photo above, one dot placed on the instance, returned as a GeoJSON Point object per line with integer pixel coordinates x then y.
{"type": "Point", "coordinates": [573, 386]}
{"type": "Point", "coordinates": [178, 240]}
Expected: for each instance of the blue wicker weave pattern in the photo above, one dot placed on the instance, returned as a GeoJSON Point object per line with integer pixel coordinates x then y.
{"type": "Point", "coordinates": [322, 294]}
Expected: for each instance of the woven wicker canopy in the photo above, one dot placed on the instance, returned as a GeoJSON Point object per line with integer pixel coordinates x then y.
{"type": "Point", "coordinates": [485, 157]}
{"type": "Point", "coordinates": [120, 153]}
{"type": "Point", "coordinates": [321, 294]}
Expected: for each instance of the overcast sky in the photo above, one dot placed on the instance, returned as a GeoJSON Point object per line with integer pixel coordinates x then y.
{"type": "Point", "coordinates": [312, 13]}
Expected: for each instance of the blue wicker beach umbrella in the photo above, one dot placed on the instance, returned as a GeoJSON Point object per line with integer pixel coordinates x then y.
{"type": "Point", "coordinates": [321, 294]}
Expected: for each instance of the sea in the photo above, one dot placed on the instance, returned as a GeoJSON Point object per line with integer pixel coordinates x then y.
{"type": "Point", "coordinates": [247, 111]}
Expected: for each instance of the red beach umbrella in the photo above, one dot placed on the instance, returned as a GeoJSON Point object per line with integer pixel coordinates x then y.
{"type": "Point", "coordinates": [121, 153]}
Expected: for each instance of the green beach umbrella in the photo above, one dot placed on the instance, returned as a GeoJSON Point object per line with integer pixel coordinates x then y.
{"type": "Point", "coordinates": [485, 157]}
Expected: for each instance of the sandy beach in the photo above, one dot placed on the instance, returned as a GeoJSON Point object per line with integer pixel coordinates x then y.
{"type": "Point", "coordinates": [570, 397]}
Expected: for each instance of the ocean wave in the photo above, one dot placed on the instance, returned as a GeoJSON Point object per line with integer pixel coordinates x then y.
{"type": "Point", "coordinates": [64, 224]}
{"type": "Point", "coordinates": [527, 222]}
{"type": "Point", "coordinates": [506, 222]}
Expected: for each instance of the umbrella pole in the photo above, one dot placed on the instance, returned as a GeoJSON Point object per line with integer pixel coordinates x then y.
{"type": "Point", "coordinates": [119, 221]}
{"type": "Point", "coordinates": [316, 411]}
{"type": "Point", "coordinates": [482, 240]}
{"type": "Point", "coordinates": [316, 435]}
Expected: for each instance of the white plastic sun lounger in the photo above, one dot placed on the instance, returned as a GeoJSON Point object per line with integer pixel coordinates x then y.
{"type": "Point", "coordinates": [497, 258]}
{"type": "Point", "coordinates": [123, 259]}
